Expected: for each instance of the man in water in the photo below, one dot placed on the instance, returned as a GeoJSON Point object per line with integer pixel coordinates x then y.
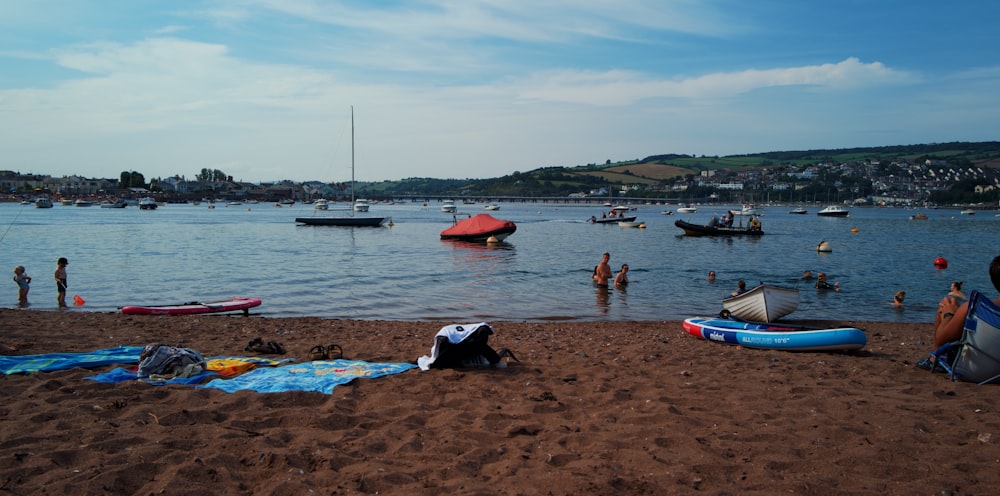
{"type": "Point", "coordinates": [603, 272]}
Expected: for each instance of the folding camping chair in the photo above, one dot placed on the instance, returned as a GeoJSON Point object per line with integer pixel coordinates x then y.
{"type": "Point", "coordinates": [976, 356]}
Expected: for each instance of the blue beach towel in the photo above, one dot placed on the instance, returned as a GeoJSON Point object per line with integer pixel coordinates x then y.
{"type": "Point", "coordinates": [321, 376]}
{"type": "Point", "coordinates": [119, 374]}
{"type": "Point", "coordinates": [48, 362]}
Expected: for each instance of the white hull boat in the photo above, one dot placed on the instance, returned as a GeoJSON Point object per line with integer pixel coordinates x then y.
{"type": "Point", "coordinates": [449, 207]}
{"type": "Point", "coordinates": [834, 211]}
{"type": "Point", "coordinates": [763, 303]}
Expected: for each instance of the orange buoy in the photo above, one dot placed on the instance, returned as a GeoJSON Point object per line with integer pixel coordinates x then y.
{"type": "Point", "coordinates": [940, 263]}
{"type": "Point", "coordinates": [78, 301]}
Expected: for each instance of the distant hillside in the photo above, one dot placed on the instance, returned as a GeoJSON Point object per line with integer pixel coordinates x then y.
{"type": "Point", "coordinates": [658, 169]}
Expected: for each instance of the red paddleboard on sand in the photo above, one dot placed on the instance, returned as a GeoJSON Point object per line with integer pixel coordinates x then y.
{"type": "Point", "coordinates": [232, 305]}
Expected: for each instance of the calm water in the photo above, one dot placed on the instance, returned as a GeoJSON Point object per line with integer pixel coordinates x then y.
{"type": "Point", "coordinates": [181, 253]}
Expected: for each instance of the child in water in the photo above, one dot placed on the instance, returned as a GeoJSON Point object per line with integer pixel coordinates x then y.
{"type": "Point", "coordinates": [23, 281]}
{"type": "Point", "coordinates": [61, 283]}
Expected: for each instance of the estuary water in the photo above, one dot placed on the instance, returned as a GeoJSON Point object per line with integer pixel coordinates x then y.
{"type": "Point", "coordinates": [182, 252]}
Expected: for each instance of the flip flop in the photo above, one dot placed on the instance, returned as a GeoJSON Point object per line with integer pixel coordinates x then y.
{"type": "Point", "coordinates": [335, 352]}
{"type": "Point", "coordinates": [318, 352]}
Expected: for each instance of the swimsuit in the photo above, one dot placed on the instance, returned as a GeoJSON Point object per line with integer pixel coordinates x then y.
{"type": "Point", "coordinates": [61, 285]}
{"type": "Point", "coordinates": [22, 282]}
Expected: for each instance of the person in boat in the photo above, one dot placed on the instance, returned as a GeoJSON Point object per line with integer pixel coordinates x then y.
{"type": "Point", "coordinates": [593, 218]}
{"type": "Point", "coordinates": [951, 315]}
{"type": "Point", "coordinates": [729, 219]}
{"type": "Point", "coordinates": [714, 222]}
{"type": "Point", "coordinates": [754, 224]}
{"type": "Point", "coordinates": [822, 283]}
{"type": "Point", "coordinates": [621, 280]}
{"type": "Point", "coordinates": [603, 272]}
{"type": "Point", "coordinates": [741, 287]}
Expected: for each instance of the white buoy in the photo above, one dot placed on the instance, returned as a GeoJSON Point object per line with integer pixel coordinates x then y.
{"type": "Point", "coordinates": [824, 247]}
{"type": "Point", "coordinates": [492, 239]}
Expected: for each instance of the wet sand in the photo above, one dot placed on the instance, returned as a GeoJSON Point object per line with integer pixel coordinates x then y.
{"type": "Point", "coordinates": [592, 408]}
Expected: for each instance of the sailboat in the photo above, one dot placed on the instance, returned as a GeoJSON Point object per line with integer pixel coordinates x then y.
{"type": "Point", "coordinates": [350, 220]}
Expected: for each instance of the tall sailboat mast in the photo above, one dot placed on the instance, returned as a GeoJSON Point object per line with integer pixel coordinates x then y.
{"type": "Point", "coordinates": [352, 159]}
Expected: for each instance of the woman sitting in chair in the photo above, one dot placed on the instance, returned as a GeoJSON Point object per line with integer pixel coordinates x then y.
{"type": "Point", "coordinates": [951, 315]}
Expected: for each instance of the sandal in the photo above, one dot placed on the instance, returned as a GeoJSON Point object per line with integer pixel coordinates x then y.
{"type": "Point", "coordinates": [318, 352]}
{"type": "Point", "coordinates": [269, 348]}
{"type": "Point", "coordinates": [254, 345]}
{"type": "Point", "coordinates": [334, 352]}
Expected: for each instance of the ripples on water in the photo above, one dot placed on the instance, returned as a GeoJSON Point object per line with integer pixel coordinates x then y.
{"type": "Point", "coordinates": [182, 253]}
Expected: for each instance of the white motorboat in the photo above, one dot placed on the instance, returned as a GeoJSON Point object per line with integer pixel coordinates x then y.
{"type": "Point", "coordinates": [492, 206]}
{"type": "Point", "coordinates": [799, 211]}
{"type": "Point", "coordinates": [747, 210]}
{"type": "Point", "coordinates": [763, 303]}
{"type": "Point", "coordinates": [968, 211]}
{"type": "Point", "coordinates": [113, 204]}
{"type": "Point", "coordinates": [685, 209]}
{"type": "Point", "coordinates": [321, 204]}
{"type": "Point", "coordinates": [83, 203]}
{"type": "Point", "coordinates": [147, 203]}
{"type": "Point", "coordinates": [631, 223]}
{"type": "Point", "coordinates": [43, 203]}
{"type": "Point", "coordinates": [834, 211]}
{"type": "Point", "coordinates": [361, 205]}
{"type": "Point", "coordinates": [448, 207]}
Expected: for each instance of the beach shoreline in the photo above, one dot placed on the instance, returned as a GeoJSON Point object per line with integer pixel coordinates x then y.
{"type": "Point", "coordinates": [591, 408]}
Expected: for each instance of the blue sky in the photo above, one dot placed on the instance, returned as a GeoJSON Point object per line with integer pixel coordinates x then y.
{"type": "Point", "coordinates": [263, 89]}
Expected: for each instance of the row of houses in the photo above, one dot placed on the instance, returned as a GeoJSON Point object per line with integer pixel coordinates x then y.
{"type": "Point", "coordinates": [15, 183]}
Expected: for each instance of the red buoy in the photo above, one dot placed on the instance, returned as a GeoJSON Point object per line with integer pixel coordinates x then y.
{"type": "Point", "coordinates": [940, 263]}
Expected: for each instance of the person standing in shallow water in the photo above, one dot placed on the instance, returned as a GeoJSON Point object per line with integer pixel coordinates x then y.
{"type": "Point", "coordinates": [61, 281]}
{"type": "Point", "coordinates": [23, 281]}
{"type": "Point", "coordinates": [603, 273]}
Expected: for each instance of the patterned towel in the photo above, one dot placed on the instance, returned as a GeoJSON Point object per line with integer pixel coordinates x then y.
{"type": "Point", "coordinates": [224, 366]}
{"type": "Point", "coordinates": [321, 376]}
{"type": "Point", "coordinates": [29, 364]}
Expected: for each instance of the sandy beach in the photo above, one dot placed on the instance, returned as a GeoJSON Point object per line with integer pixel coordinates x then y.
{"type": "Point", "coordinates": [591, 408]}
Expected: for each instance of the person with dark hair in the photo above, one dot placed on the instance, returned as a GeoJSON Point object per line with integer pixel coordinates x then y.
{"type": "Point", "coordinates": [741, 287]}
{"type": "Point", "coordinates": [621, 280]}
{"type": "Point", "coordinates": [603, 271]}
{"type": "Point", "coordinates": [951, 314]}
{"type": "Point", "coordinates": [60, 277]}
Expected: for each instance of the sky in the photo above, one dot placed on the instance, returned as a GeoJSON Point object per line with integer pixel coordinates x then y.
{"type": "Point", "coordinates": [263, 90]}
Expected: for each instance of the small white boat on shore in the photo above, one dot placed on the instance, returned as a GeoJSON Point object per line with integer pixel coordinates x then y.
{"type": "Point", "coordinates": [763, 303]}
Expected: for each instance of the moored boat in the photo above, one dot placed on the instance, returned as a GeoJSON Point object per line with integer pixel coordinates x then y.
{"type": "Point", "coordinates": [43, 203]}
{"type": "Point", "coordinates": [611, 220]}
{"type": "Point", "coordinates": [448, 207]}
{"type": "Point", "coordinates": [113, 204]}
{"type": "Point", "coordinates": [632, 223]}
{"type": "Point", "coordinates": [834, 211]}
{"type": "Point", "coordinates": [747, 210]}
{"type": "Point", "coordinates": [361, 205]}
{"type": "Point", "coordinates": [775, 337]}
{"type": "Point", "coordinates": [798, 211]}
{"type": "Point", "coordinates": [763, 303]}
{"type": "Point", "coordinates": [479, 228]}
{"type": "Point", "coordinates": [321, 204]}
{"type": "Point", "coordinates": [147, 203]}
